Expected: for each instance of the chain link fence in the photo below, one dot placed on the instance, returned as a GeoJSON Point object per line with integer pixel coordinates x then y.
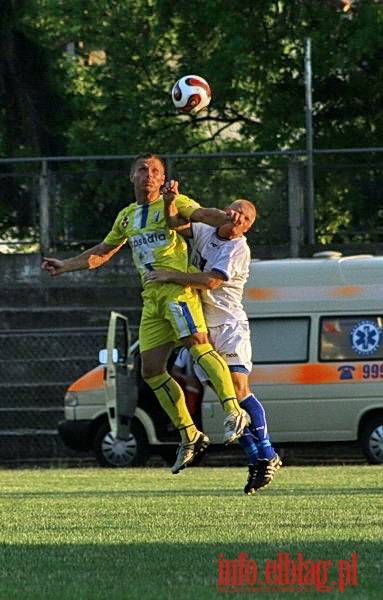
{"type": "Point", "coordinates": [37, 366]}
{"type": "Point", "coordinates": [68, 203]}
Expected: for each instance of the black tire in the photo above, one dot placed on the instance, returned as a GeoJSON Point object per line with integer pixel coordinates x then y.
{"type": "Point", "coordinates": [132, 453]}
{"type": "Point", "coordinates": [371, 439]}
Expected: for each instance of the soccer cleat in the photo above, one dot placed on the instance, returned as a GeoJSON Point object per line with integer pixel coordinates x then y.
{"type": "Point", "coordinates": [249, 487]}
{"type": "Point", "coordinates": [187, 451]}
{"type": "Point", "coordinates": [233, 425]}
{"type": "Point", "coordinates": [261, 474]}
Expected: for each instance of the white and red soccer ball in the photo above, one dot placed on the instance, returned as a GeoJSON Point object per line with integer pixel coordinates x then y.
{"type": "Point", "coordinates": [191, 94]}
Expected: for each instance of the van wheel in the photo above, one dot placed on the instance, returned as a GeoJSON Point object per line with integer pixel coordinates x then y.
{"type": "Point", "coordinates": [371, 440]}
{"type": "Point", "coordinates": [120, 453]}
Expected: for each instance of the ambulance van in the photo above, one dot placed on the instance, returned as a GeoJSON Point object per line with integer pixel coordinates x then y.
{"type": "Point", "coordinates": [317, 338]}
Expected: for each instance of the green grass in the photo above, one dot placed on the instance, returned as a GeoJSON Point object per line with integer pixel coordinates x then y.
{"type": "Point", "coordinates": [144, 533]}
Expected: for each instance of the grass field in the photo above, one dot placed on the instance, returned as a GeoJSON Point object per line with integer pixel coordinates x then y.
{"type": "Point", "coordinates": [92, 534]}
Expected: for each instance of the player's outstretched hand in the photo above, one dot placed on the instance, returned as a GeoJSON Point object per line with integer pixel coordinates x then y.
{"type": "Point", "coordinates": [54, 266]}
{"type": "Point", "coordinates": [233, 216]}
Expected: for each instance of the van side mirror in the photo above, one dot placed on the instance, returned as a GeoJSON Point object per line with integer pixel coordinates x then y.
{"type": "Point", "coordinates": [103, 356]}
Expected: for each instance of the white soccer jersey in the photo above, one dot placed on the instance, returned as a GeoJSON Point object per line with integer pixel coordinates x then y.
{"type": "Point", "coordinates": [230, 257]}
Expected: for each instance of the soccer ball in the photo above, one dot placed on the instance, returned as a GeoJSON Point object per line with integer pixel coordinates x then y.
{"type": "Point", "coordinates": [191, 94]}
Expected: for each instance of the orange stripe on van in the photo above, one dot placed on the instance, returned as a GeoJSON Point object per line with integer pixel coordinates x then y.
{"type": "Point", "coordinates": [347, 290]}
{"type": "Point", "coordinates": [304, 374]}
{"type": "Point", "coordinates": [261, 293]}
{"type": "Point", "coordinates": [92, 380]}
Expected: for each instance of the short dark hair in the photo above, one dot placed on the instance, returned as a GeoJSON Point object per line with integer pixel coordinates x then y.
{"type": "Point", "coordinates": [146, 156]}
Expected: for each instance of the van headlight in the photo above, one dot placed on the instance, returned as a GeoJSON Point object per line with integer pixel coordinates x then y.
{"type": "Point", "coordinates": [71, 399]}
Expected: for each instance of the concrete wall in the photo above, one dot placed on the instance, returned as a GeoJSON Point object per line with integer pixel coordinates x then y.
{"type": "Point", "coordinates": [50, 333]}
{"type": "Point", "coordinates": [18, 269]}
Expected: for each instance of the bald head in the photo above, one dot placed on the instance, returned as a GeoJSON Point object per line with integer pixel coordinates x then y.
{"type": "Point", "coordinates": [247, 208]}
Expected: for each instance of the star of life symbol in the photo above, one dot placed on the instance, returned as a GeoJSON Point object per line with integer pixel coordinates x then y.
{"type": "Point", "coordinates": [366, 337]}
{"type": "Point", "coordinates": [125, 221]}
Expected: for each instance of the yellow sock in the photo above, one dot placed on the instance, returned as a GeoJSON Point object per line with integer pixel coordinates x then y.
{"type": "Point", "coordinates": [172, 400]}
{"type": "Point", "coordinates": [218, 373]}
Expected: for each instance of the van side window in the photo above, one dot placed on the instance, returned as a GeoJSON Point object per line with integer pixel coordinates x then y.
{"type": "Point", "coordinates": [353, 338]}
{"type": "Point", "coordinates": [283, 340]}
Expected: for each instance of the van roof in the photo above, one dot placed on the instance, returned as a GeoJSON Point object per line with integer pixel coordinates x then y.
{"type": "Point", "coordinates": [352, 283]}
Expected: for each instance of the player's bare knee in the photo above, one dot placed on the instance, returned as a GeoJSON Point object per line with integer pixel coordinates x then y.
{"type": "Point", "coordinates": [241, 385]}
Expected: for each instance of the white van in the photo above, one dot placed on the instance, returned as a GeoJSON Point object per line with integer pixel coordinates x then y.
{"type": "Point", "coordinates": [317, 335]}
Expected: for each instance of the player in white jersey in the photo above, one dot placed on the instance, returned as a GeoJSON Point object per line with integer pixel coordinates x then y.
{"type": "Point", "coordinates": [222, 256]}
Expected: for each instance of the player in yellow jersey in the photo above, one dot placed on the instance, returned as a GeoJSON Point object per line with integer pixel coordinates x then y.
{"type": "Point", "coordinates": [171, 312]}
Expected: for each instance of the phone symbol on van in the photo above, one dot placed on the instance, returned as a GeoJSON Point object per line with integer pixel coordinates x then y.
{"type": "Point", "coordinates": [346, 372]}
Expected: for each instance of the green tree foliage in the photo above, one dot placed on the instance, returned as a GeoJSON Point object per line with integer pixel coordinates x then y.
{"type": "Point", "coordinates": [29, 103]}
{"type": "Point", "coordinates": [251, 53]}
{"type": "Point", "coordinates": [85, 78]}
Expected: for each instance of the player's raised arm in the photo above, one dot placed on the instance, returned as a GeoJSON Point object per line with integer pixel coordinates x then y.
{"type": "Point", "coordinates": [216, 217]}
{"type": "Point", "coordinates": [173, 218]}
{"type": "Point", "coordinates": [89, 259]}
{"type": "Point", "coordinates": [178, 217]}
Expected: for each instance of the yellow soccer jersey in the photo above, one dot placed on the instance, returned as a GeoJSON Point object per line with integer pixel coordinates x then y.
{"type": "Point", "coordinates": [154, 245]}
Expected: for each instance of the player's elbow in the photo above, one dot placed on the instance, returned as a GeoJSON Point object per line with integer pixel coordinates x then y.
{"type": "Point", "coordinates": [100, 254]}
{"type": "Point", "coordinates": [213, 284]}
